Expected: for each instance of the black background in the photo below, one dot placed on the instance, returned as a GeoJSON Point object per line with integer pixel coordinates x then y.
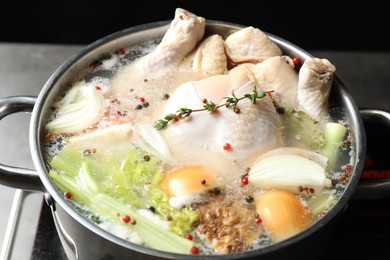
{"type": "Point", "coordinates": [313, 26]}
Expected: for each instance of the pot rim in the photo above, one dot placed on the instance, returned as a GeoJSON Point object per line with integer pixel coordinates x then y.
{"type": "Point", "coordinates": [35, 138]}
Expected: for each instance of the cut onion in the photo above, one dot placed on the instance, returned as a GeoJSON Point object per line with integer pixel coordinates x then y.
{"type": "Point", "coordinates": [299, 171]}
{"type": "Point", "coordinates": [311, 155]}
{"type": "Point", "coordinates": [79, 109]}
{"type": "Point", "coordinates": [151, 141]}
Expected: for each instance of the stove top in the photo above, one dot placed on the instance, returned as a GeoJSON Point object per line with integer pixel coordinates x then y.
{"type": "Point", "coordinates": [47, 244]}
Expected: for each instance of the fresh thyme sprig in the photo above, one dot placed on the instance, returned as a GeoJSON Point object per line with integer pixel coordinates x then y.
{"type": "Point", "coordinates": [211, 107]}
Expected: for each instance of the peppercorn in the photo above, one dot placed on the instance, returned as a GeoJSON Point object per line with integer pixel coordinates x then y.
{"type": "Point", "coordinates": [68, 195]}
{"type": "Point", "coordinates": [244, 180]}
{"type": "Point", "coordinates": [215, 191]}
{"type": "Point", "coordinates": [188, 236]}
{"type": "Point", "coordinates": [126, 218]}
{"type": "Point", "coordinates": [280, 110]}
{"type": "Point", "coordinates": [296, 60]}
{"type": "Point", "coordinates": [87, 152]}
{"type": "Point", "coordinates": [194, 250]}
{"type": "Point", "coordinates": [249, 199]}
{"type": "Point", "coordinates": [227, 146]}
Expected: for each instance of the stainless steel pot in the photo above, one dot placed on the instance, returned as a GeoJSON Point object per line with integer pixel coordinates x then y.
{"type": "Point", "coordinates": [84, 240]}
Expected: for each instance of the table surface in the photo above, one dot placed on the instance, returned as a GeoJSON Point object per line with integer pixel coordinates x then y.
{"type": "Point", "coordinates": [24, 69]}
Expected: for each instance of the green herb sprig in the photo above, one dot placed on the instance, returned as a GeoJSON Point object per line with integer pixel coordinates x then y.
{"type": "Point", "coordinates": [211, 107]}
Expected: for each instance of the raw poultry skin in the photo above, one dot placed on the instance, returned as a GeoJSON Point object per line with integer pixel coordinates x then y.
{"type": "Point", "coordinates": [210, 57]}
{"type": "Point", "coordinates": [278, 74]}
{"type": "Point", "coordinates": [252, 131]}
{"type": "Point", "coordinates": [315, 83]}
{"type": "Point", "coordinates": [185, 31]}
{"type": "Point", "coordinates": [250, 45]}
{"type": "Point", "coordinates": [191, 71]}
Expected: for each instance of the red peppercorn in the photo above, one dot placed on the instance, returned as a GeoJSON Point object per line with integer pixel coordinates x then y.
{"type": "Point", "coordinates": [297, 60]}
{"type": "Point", "coordinates": [121, 52]}
{"type": "Point", "coordinates": [348, 168]}
{"type": "Point", "coordinates": [188, 236]}
{"type": "Point", "coordinates": [68, 195]}
{"type": "Point", "coordinates": [126, 218]}
{"type": "Point", "coordinates": [194, 250]}
{"type": "Point", "coordinates": [258, 220]}
{"type": "Point", "coordinates": [98, 88]}
{"type": "Point", "coordinates": [244, 181]}
{"type": "Point", "coordinates": [118, 113]}
{"type": "Point", "coordinates": [141, 99]}
{"type": "Point", "coordinates": [227, 146]}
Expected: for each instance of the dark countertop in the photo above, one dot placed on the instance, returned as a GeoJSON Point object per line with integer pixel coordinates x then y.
{"type": "Point", "coordinates": [24, 69]}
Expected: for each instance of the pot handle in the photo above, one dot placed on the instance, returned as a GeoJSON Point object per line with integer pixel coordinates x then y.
{"type": "Point", "coordinates": [375, 180]}
{"type": "Point", "coordinates": [16, 177]}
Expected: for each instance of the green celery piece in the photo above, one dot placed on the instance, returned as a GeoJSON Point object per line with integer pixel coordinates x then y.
{"type": "Point", "coordinates": [86, 175]}
{"type": "Point", "coordinates": [334, 135]}
{"type": "Point", "coordinates": [67, 160]}
{"type": "Point", "coordinates": [139, 181]}
{"type": "Point", "coordinates": [300, 128]}
{"type": "Point", "coordinates": [321, 203]}
{"type": "Point", "coordinates": [182, 219]}
{"type": "Point", "coordinates": [152, 235]}
{"type": "Point", "coordinates": [113, 188]}
{"type": "Point", "coordinates": [68, 184]}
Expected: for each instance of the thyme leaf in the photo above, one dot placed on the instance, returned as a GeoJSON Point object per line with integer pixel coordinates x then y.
{"type": "Point", "coordinates": [210, 106]}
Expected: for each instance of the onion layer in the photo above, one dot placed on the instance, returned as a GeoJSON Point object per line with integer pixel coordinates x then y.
{"type": "Point", "coordinates": [79, 109]}
{"type": "Point", "coordinates": [296, 170]}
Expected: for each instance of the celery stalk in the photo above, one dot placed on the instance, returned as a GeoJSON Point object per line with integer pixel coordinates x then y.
{"type": "Point", "coordinates": [334, 134]}
{"type": "Point", "coordinates": [89, 188]}
{"type": "Point", "coordinates": [152, 235]}
{"type": "Point", "coordinates": [68, 160]}
{"type": "Point", "coordinates": [86, 174]}
{"type": "Point", "coordinates": [321, 203]}
{"type": "Point", "coordinates": [68, 184]}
